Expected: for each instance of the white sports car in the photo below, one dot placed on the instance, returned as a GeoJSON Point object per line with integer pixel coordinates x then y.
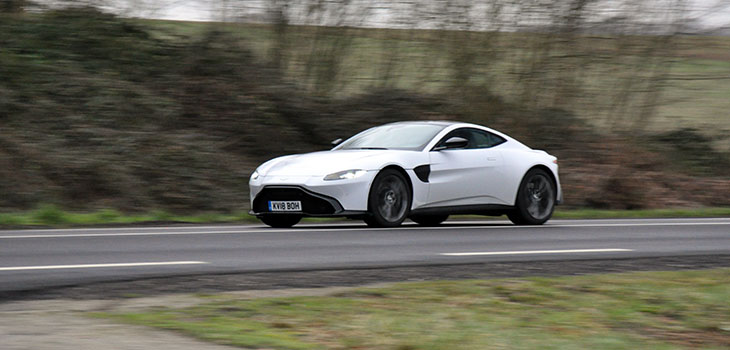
{"type": "Point", "coordinates": [424, 170]}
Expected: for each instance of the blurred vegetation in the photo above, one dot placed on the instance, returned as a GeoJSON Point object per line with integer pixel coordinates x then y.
{"type": "Point", "coordinates": [100, 112]}
{"type": "Point", "coordinates": [691, 150]}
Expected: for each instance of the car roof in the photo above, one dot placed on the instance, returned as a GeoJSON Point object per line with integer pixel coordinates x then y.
{"type": "Point", "coordinates": [432, 122]}
{"type": "Point", "coordinates": [439, 122]}
{"type": "Point", "coordinates": [444, 123]}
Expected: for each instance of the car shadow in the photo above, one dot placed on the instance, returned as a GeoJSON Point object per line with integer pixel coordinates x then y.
{"type": "Point", "coordinates": [405, 225]}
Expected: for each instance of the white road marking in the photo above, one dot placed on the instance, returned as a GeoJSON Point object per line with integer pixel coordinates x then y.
{"type": "Point", "coordinates": [328, 228]}
{"type": "Point", "coordinates": [527, 252]}
{"type": "Point", "coordinates": [126, 234]}
{"type": "Point", "coordinates": [93, 266]}
{"type": "Point", "coordinates": [135, 228]}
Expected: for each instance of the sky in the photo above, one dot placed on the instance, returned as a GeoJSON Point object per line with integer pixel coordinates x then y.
{"type": "Point", "coordinates": [707, 11]}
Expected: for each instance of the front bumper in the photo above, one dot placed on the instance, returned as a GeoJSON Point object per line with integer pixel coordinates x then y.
{"type": "Point", "coordinates": [347, 197]}
{"type": "Point", "coordinates": [313, 204]}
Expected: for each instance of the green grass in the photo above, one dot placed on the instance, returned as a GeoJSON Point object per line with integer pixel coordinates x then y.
{"type": "Point", "coordinates": [648, 310]}
{"type": "Point", "coordinates": [50, 215]}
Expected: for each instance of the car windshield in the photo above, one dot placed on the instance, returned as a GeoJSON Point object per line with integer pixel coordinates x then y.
{"type": "Point", "coordinates": [394, 136]}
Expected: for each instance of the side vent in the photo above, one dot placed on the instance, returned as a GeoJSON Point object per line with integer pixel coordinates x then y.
{"type": "Point", "coordinates": [423, 171]}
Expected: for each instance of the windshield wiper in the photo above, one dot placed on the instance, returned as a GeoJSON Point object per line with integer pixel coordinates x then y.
{"type": "Point", "coordinates": [378, 148]}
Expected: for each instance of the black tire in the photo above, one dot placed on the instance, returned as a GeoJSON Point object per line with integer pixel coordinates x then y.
{"type": "Point", "coordinates": [536, 199]}
{"type": "Point", "coordinates": [280, 220]}
{"type": "Point", "coordinates": [429, 220]}
{"type": "Point", "coordinates": [389, 201]}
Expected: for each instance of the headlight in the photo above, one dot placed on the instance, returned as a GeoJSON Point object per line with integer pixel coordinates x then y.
{"type": "Point", "coordinates": [345, 175]}
{"type": "Point", "coordinates": [255, 175]}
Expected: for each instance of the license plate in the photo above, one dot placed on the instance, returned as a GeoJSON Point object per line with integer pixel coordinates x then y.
{"type": "Point", "coordinates": [285, 206]}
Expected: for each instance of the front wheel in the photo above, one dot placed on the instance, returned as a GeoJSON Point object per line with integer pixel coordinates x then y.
{"type": "Point", "coordinates": [535, 199]}
{"type": "Point", "coordinates": [280, 220]}
{"type": "Point", "coordinates": [389, 201]}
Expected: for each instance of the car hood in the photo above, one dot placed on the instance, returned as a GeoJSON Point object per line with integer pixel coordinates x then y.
{"type": "Point", "coordinates": [328, 162]}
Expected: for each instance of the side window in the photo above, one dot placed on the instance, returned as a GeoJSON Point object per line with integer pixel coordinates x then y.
{"type": "Point", "coordinates": [483, 139]}
{"type": "Point", "coordinates": [477, 138]}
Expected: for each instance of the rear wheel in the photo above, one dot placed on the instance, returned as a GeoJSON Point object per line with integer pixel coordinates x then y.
{"type": "Point", "coordinates": [389, 201]}
{"type": "Point", "coordinates": [429, 220]}
{"type": "Point", "coordinates": [535, 199]}
{"type": "Point", "coordinates": [281, 221]}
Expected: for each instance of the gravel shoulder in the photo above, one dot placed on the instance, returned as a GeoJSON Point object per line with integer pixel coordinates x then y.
{"type": "Point", "coordinates": [63, 326]}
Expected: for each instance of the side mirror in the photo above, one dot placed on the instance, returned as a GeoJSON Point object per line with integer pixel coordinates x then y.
{"type": "Point", "coordinates": [336, 142]}
{"type": "Point", "coordinates": [452, 143]}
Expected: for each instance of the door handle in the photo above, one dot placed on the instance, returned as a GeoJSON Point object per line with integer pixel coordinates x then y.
{"type": "Point", "coordinates": [491, 159]}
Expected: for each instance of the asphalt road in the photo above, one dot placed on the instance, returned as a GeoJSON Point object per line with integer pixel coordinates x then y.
{"type": "Point", "coordinates": [32, 259]}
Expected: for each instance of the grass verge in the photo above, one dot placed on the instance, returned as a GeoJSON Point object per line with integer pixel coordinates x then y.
{"type": "Point", "coordinates": [647, 310]}
{"type": "Point", "coordinates": [52, 216]}
{"type": "Point", "coordinates": [49, 215]}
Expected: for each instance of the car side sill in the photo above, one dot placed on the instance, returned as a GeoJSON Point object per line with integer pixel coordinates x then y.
{"type": "Point", "coordinates": [479, 209]}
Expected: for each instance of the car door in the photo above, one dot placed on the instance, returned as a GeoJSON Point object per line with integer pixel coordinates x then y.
{"type": "Point", "coordinates": [467, 176]}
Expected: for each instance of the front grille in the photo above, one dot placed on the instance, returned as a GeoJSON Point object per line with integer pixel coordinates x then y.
{"type": "Point", "coordinates": [312, 203]}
